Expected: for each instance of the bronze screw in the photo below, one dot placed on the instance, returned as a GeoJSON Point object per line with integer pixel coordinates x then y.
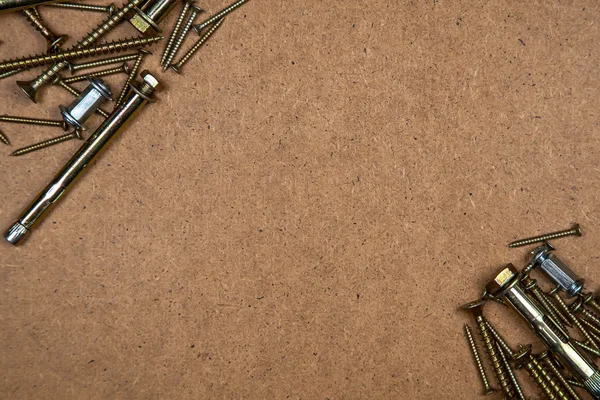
{"type": "Point", "coordinates": [109, 9]}
{"type": "Point", "coordinates": [53, 41]}
{"type": "Point", "coordinates": [588, 299]}
{"type": "Point", "coordinates": [574, 383]}
{"type": "Point", "coordinates": [554, 385]}
{"type": "Point", "coordinates": [554, 313]}
{"type": "Point", "coordinates": [123, 69]}
{"type": "Point", "coordinates": [575, 230]}
{"type": "Point", "coordinates": [32, 87]}
{"type": "Point", "coordinates": [104, 48]}
{"type": "Point", "coordinates": [499, 339]}
{"type": "Point", "coordinates": [99, 63]}
{"type": "Point", "coordinates": [47, 143]}
{"type": "Point", "coordinates": [218, 15]}
{"type": "Point", "coordinates": [572, 317]}
{"type": "Point", "coordinates": [34, 121]}
{"type": "Point", "coordinates": [475, 307]}
{"type": "Point", "coordinates": [186, 28]}
{"type": "Point", "coordinates": [524, 359]}
{"type": "Point", "coordinates": [511, 374]}
{"type": "Point", "coordinates": [4, 138]}
{"type": "Point", "coordinates": [586, 347]}
{"type": "Point", "coordinates": [177, 66]}
{"type": "Point", "coordinates": [10, 73]}
{"type": "Point", "coordinates": [487, 389]}
{"type": "Point", "coordinates": [186, 6]}
{"type": "Point", "coordinates": [58, 81]}
{"type": "Point", "coordinates": [545, 357]}
{"type": "Point", "coordinates": [577, 307]}
{"type": "Point", "coordinates": [132, 74]}
{"type": "Point", "coordinates": [594, 331]}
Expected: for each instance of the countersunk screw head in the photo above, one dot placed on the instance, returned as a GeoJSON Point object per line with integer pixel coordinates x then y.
{"type": "Point", "coordinates": [111, 9]}
{"type": "Point", "coordinates": [475, 307]}
{"type": "Point", "coordinates": [522, 355]}
{"type": "Point", "coordinates": [28, 89]}
{"type": "Point", "coordinates": [56, 43]}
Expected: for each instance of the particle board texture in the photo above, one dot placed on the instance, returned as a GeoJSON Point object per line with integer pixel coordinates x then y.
{"type": "Point", "coordinates": [305, 207]}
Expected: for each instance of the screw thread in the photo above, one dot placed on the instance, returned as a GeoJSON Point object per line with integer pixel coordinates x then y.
{"type": "Point", "coordinates": [173, 37]}
{"type": "Point", "coordinates": [100, 63]}
{"type": "Point", "coordinates": [492, 352]}
{"type": "Point", "coordinates": [220, 15]}
{"type": "Point", "coordinates": [536, 376]}
{"type": "Point", "coordinates": [515, 383]}
{"type": "Point", "coordinates": [51, 73]}
{"type": "Point", "coordinates": [181, 37]}
{"type": "Point", "coordinates": [4, 138]}
{"type": "Point", "coordinates": [548, 363]}
{"type": "Point", "coordinates": [105, 48]}
{"type": "Point", "coordinates": [484, 380]}
{"type": "Point", "coordinates": [593, 331]}
{"type": "Point", "coordinates": [31, 121]}
{"type": "Point", "coordinates": [130, 76]}
{"type": "Point", "coordinates": [76, 93]}
{"type": "Point", "coordinates": [554, 312]}
{"type": "Point", "coordinates": [573, 319]}
{"type": "Point", "coordinates": [86, 7]}
{"type": "Point", "coordinates": [546, 237]}
{"type": "Point", "coordinates": [44, 144]}
{"type": "Point", "coordinates": [97, 74]}
{"type": "Point", "coordinates": [554, 386]}
{"type": "Point", "coordinates": [37, 23]}
{"type": "Point", "coordinates": [591, 316]}
{"type": "Point", "coordinates": [499, 339]}
{"type": "Point", "coordinates": [10, 73]}
{"type": "Point", "coordinates": [198, 44]}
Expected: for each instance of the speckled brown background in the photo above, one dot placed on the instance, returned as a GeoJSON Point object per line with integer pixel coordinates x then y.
{"type": "Point", "coordinates": [303, 210]}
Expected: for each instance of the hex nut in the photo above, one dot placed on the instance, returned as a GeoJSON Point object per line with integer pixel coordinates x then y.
{"type": "Point", "coordinates": [151, 80]}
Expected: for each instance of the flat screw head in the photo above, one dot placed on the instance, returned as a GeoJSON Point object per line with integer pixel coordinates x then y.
{"type": "Point", "coordinates": [476, 307]}
{"type": "Point", "coordinates": [56, 43]}
{"type": "Point", "coordinates": [77, 134]}
{"type": "Point", "coordinates": [28, 89]}
{"type": "Point", "coordinates": [111, 9]}
{"type": "Point", "coordinates": [576, 305]}
{"type": "Point", "coordinates": [577, 230]}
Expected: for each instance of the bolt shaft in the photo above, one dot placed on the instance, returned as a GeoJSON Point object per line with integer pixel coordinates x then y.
{"type": "Point", "coordinates": [184, 31]}
{"type": "Point", "coordinates": [32, 121]}
{"type": "Point", "coordinates": [492, 352]}
{"type": "Point", "coordinates": [174, 33]}
{"type": "Point", "coordinates": [219, 15]}
{"type": "Point", "coordinates": [85, 7]}
{"type": "Point", "coordinates": [109, 47]}
{"type": "Point", "coordinates": [573, 318]}
{"type": "Point", "coordinates": [177, 66]}
{"type": "Point", "coordinates": [76, 93]}
{"type": "Point", "coordinates": [45, 143]}
{"type": "Point", "coordinates": [575, 230]}
{"type": "Point", "coordinates": [484, 380]}
{"type": "Point", "coordinates": [110, 71]}
{"type": "Point", "coordinates": [4, 138]}
{"type": "Point", "coordinates": [92, 64]}
{"type": "Point", "coordinates": [132, 74]}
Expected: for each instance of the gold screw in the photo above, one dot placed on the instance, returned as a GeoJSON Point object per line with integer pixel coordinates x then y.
{"type": "Point", "coordinates": [573, 318]}
{"type": "Point", "coordinates": [53, 41]}
{"type": "Point", "coordinates": [34, 121]}
{"type": "Point", "coordinates": [195, 11]}
{"type": "Point", "coordinates": [575, 230]}
{"type": "Point", "coordinates": [487, 389]}
{"type": "Point", "coordinates": [109, 9]}
{"type": "Point", "coordinates": [511, 374]}
{"type": "Point", "coordinates": [186, 6]}
{"type": "Point", "coordinates": [112, 60]}
{"type": "Point", "coordinates": [545, 357]}
{"type": "Point", "coordinates": [104, 48]}
{"type": "Point", "coordinates": [10, 73]}
{"type": "Point", "coordinates": [132, 74]}
{"type": "Point", "coordinates": [554, 385]}
{"type": "Point", "coordinates": [524, 360]}
{"type": "Point", "coordinates": [554, 313]}
{"type": "Point", "coordinates": [577, 307]}
{"type": "Point", "coordinates": [177, 66]}
{"type": "Point", "coordinates": [123, 69]}
{"type": "Point", "coordinates": [58, 81]}
{"type": "Point", "coordinates": [574, 383]}
{"type": "Point", "coordinates": [47, 143]}
{"type": "Point", "coordinates": [4, 138]}
{"type": "Point", "coordinates": [219, 15]}
{"type": "Point", "coordinates": [588, 299]}
{"type": "Point", "coordinates": [593, 330]}
{"type": "Point", "coordinates": [499, 339]}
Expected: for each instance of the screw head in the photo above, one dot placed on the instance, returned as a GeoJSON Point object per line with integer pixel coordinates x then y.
{"type": "Point", "coordinates": [522, 354]}
{"type": "Point", "coordinates": [587, 297]}
{"type": "Point", "coordinates": [508, 275]}
{"type": "Point", "coordinates": [145, 51]}
{"type": "Point", "coordinates": [151, 80]}
{"type": "Point", "coordinates": [28, 89]}
{"type": "Point", "coordinates": [56, 43]}
{"type": "Point", "coordinates": [576, 305]}
{"type": "Point", "coordinates": [577, 230]}
{"type": "Point", "coordinates": [111, 9]}
{"type": "Point", "coordinates": [541, 253]}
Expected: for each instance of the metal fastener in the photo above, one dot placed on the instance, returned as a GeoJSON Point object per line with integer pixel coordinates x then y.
{"type": "Point", "coordinates": [587, 348]}
{"type": "Point", "coordinates": [177, 66]}
{"type": "Point", "coordinates": [195, 10]}
{"type": "Point", "coordinates": [99, 63]}
{"type": "Point", "coordinates": [556, 270]}
{"type": "Point", "coordinates": [10, 73]}
{"type": "Point", "coordinates": [109, 9]}
{"type": "Point", "coordinates": [140, 94]}
{"type": "Point", "coordinates": [104, 48]}
{"type": "Point", "coordinates": [576, 321]}
{"type": "Point", "coordinates": [553, 312]}
{"type": "Point", "coordinates": [577, 307]}
{"type": "Point", "coordinates": [524, 359]}
{"type": "Point", "coordinates": [53, 41]}
{"type": "Point", "coordinates": [58, 81]}
{"type": "Point", "coordinates": [47, 143]}
{"type": "Point", "coordinates": [186, 6]}
{"type": "Point", "coordinates": [134, 70]}
{"type": "Point", "coordinates": [82, 108]}
{"type": "Point", "coordinates": [219, 15]}
{"type": "Point", "coordinates": [34, 121]}
{"type": "Point", "coordinates": [487, 389]}
{"type": "Point", "coordinates": [4, 138]}
{"type": "Point", "coordinates": [147, 19]}
{"type": "Point", "coordinates": [515, 383]}
{"type": "Point", "coordinates": [556, 386]}
{"type": "Point", "coordinates": [575, 230]}
{"type": "Point", "coordinates": [14, 5]}
{"type": "Point", "coordinates": [499, 339]}
{"type": "Point", "coordinates": [546, 360]}
{"type": "Point", "coordinates": [31, 89]}
{"type": "Point", "coordinates": [123, 69]}
{"type": "Point", "coordinates": [589, 300]}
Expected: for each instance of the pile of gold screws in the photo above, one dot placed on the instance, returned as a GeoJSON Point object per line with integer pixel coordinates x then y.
{"type": "Point", "coordinates": [144, 15]}
{"type": "Point", "coordinates": [564, 319]}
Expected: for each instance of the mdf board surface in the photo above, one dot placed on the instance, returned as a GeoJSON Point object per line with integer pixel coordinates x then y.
{"type": "Point", "coordinates": [304, 209]}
